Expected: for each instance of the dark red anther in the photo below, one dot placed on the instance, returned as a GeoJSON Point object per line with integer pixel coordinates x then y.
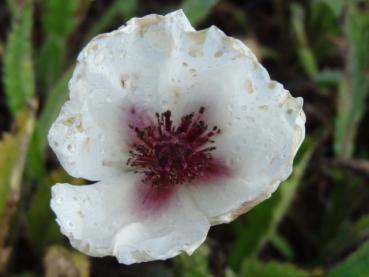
{"type": "Point", "coordinates": [167, 155]}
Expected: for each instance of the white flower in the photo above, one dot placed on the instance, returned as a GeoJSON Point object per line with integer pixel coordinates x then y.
{"type": "Point", "coordinates": [181, 129]}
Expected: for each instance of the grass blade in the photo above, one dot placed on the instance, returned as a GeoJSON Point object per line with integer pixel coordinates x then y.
{"type": "Point", "coordinates": [354, 88]}
{"type": "Point", "coordinates": [305, 54]}
{"type": "Point", "coordinates": [18, 66]}
{"type": "Point", "coordinates": [59, 21]}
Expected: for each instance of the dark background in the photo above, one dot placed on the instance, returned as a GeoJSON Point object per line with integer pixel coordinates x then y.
{"type": "Point", "coordinates": [316, 224]}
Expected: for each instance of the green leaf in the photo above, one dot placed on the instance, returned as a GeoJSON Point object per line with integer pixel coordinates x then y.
{"type": "Point", "coordinates": [354, 88]}
{"type": "Point", "coordinates": [59, 17]}
{"type": "Point", "coordinates": [297, 22]}
{"type": "Point", "coordinates": [251, 267]}
{"type": "Point", "coordinates": [335, 6]}
{"type": "Point", "coordinates": [18, 66]}
{"type": "Point", "coordinates": [308, 61]}
{"type": "Point", "coordinates": [264, 219]}
{"type": "Point", "coordinates": [355, 265]}
{"type": "Point", "coordinates": [196, 10]}
{"type": "Point", "coordinates": [338, 233]}
{"type": "Point", "coordinates": [282, 245]}
{"type": "Point", "coordinates": [305, 54]}
{"type": "Point", "coordinates": [323, 28]}
{"type": "Point", "coordinates": [59, 20]}
{"type": "Point", "coordinates": [195, 265]}
{"type": "Point", "coordinates": [328, 77]}
{"type": "Point", "coordinates": [348, 235]}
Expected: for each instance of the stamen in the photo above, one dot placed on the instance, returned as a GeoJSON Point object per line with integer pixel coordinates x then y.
{"type": "Point", "coordinates": [169, 156]}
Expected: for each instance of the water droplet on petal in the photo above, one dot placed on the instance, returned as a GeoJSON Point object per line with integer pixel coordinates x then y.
{"type": "Point", "coordinates": [70, 224]}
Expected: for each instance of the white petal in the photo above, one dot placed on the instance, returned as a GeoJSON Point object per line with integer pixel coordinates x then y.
{"type": "Point", "coordinates": [103, 219]}
{"type": "Point", "coordinates": [83, 148]}
{"type": "Point", "coordinates": [262, 124]}
{"type": "Point", "coordinates": [131, 61]}
{"type": "Point", "coordinates": [225, 200]}
{"type": "Point", "coordinates": [114, 72]}
{"type": "Point", "coordinates": [159, 63]}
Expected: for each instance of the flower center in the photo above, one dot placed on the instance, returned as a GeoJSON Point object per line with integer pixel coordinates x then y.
{"type": "Point", "coordinates": [169, 155]}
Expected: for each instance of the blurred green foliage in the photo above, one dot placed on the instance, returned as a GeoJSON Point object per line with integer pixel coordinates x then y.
{"type": "Point", "coordinates": [56, 31]}
{"type": "Point", "coordinates": [196, 265]}
{"type": "Point", "coordinates": [355, 265]}
{"type": "Point", "coordinates": [316, 224]}
{"type": "Point", "coordinates": [271, 269]}
{"type": "Point", "coordinates": [354, 87]}
{"type": "Point", "coordinates": [18, 66]}
{"type": "Point", "coordinates": [197, 10]}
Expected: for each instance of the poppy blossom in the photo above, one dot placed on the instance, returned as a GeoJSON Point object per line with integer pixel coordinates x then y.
{"type": "Point", "coordinates": [180, 129]}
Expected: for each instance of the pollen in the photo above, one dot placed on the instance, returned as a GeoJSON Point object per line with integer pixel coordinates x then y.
{"type": "Point", "coordinates": [167, 155]}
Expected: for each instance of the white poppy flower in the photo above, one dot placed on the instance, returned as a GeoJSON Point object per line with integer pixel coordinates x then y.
{"type": "Point", "coordinates": [181, 129]}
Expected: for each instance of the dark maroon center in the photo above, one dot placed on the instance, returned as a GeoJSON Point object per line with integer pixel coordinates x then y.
{"type": "Point", "coordinates": [167, 155]}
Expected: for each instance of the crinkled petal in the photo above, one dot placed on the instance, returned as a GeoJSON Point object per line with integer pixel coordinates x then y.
{"type": "Point", "coordinates": [83, 148]}
{"type": "Point", "coordinates": [158, 63]}
{"type": "Point", "coordinates": [114, 72]}
{"type": "Point", "coordinates": [103, 219]}
{"type": "Point", "coordinates": [262, 124]}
